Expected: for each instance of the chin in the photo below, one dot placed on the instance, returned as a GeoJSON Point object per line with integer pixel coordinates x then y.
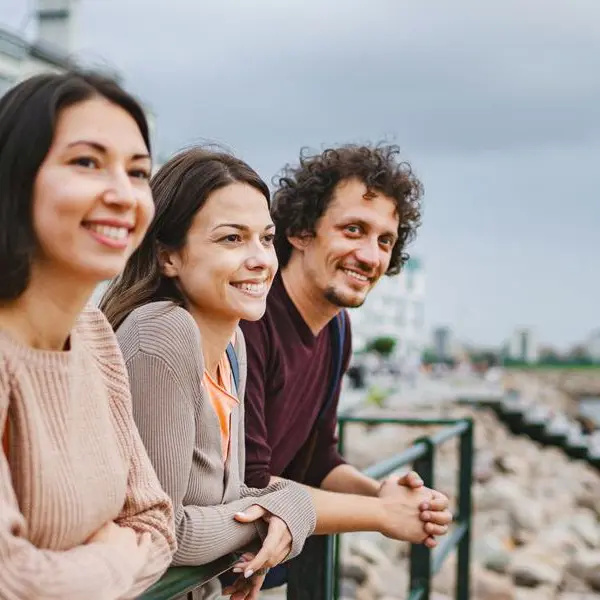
{"type": "Point", "coordinates": [253, 313]}
{"type": "Point", "coordinates": [345, 299]}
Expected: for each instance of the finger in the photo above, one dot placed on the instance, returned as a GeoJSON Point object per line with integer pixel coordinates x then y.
{"type": "Point", "coordinates": [430, 542]}
{"type": "Point", "coordinates": [410, 479]}
{"type": "Point", "coordinates": [262, 559]}
{"type": "Point", "coordinates": [438, 502]}
{"type": "Point", "coordinates": [438, 518]}
{"type": "Point", "coordinates": [436, 530]}
{"type": "Point", "coordinates": [250, 515]}
{"type": "Point", "coordinates": [256, 585]}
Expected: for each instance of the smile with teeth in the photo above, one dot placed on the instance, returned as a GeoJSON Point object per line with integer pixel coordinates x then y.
{"type": "Point", "coordinates": [253, 289]}
{"type": "Point", "coordinates": [113, 233]}
{"type": "Point", "coordinates": [357, 276]}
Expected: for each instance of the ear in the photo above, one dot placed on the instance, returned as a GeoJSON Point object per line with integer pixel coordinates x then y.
{"type": "Point", "coordinates": [170, 262]}
{"type": "Point", "coordinates": [300, 242]}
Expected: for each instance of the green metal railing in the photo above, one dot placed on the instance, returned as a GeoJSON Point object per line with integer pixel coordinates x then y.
{"type": "Point", "coordinates": [314, 574]}
{"type": "Point", "coordinates": [425, 563]}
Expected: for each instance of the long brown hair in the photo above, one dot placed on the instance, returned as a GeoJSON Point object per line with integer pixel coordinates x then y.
{"type": "Point", "coordinates": [180, 189]}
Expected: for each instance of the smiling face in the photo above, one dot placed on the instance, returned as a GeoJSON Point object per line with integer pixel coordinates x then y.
{"type": "Point", "coordinates": [91, 199]}
{"type": "Point", "coordinates": [352, 245]}
{"type": "Point", "coordinates": [228, 263]}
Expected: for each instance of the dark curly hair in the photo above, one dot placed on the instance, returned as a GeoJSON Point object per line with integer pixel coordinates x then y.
{"type": "Point", "coordinates": [304, 192]}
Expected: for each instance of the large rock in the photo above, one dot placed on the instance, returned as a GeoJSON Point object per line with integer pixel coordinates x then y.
{"type": "Point", "coordinates": [537, 566]}
{"type": "Point", "coordinates": [586, 566]}
{"type": "Point", "coordinates": [486, 585]}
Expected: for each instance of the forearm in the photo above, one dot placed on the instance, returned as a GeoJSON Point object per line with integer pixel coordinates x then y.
{"type": "Point", "coordinates": [346, 479]}
{"type": "Point", "coordinates": [340, 513]}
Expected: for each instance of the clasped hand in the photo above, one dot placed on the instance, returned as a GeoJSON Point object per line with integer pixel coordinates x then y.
{"type": "Point", "coordinates": [253, 568]}
{"type": "Point", "coordinates": [414, 513]}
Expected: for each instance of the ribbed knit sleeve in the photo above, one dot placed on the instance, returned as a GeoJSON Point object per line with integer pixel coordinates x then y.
{"type": "Point", "coordinates": [292, 504]}
{"type": "Point", "coordinates": [162, 350]}
{"type": "Point", "coordinates": [164, 413]}
{"type": "Point", "coordinates": [95, 570]}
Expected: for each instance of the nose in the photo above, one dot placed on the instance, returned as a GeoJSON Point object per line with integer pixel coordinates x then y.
{"type": "Point", "coordinates": [368, 253]}
{"type": "Point", "coordinates": [119, 192]}
{"type": "Point", "coordinates": [260, 257]}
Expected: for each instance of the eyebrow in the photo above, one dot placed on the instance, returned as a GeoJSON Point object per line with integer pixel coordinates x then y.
{"type": "Point", "coordinates": [242, 227]}
{"type": "Point", "coordinates": [103, 149]}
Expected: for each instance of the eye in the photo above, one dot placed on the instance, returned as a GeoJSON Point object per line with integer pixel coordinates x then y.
{"type": "Point", "coordinates": [232, 238]}
{"type": "Point", "coordinates": [268, 239]}
{"type": "Point", "coordinates": [386, 241]}
{"type": "Point", "coordinates": [87, 162]}
{"type": "Point", "coordinates": [353, 229]}
{"type": "Point", "coordinates": [140, 174]}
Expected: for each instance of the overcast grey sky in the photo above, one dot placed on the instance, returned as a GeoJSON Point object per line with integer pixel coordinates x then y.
{"type": "Point", "coordinates": [496, 104]}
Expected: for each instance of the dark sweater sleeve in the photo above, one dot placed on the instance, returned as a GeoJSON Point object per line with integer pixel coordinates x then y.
{"type": "Point", "coordinates": [326, 456]}
{"type": "Point", "coordinates": [258, 449]}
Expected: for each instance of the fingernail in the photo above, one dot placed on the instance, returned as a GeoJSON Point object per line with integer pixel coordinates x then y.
{"type": "Point", "coordinates": [248, 573]}
{"type": "Point", "coordinates": [240, 514]}
{"type": "Point", "coordinates": [237, 569]}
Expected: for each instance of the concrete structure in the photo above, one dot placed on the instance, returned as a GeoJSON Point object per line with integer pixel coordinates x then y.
{"type": "Point", "coordinates": [442, 343]}
{"type": "Point", "coordinates": [523, 346]}
{"type": "Point", "coordinates": [592, 345]}
{"type": "Point", "coordinates": [51, 52]}
{"type": "Point", "coordinates": [395, 308]}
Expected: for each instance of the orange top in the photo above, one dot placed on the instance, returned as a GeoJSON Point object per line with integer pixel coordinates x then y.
{"type": "Point", "coordinates": [223, 399]}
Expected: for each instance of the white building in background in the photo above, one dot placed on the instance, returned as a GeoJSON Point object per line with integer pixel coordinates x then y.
{"type": "Point", "coordinates": [442, 343]}
{"type": "Point", "coordinates": [53, 50]}
{"type": "Point", "coordinates": [395, 308]}
{"type": "Point", "coordinates": [523, 346]}
{"type": "Point", "coordinates": [592, 345]}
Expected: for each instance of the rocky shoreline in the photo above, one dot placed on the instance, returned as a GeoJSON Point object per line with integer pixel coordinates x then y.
{"type": "Point", "coordinates": [536, 523]}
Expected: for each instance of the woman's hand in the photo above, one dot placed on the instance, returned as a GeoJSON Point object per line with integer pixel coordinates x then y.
{"type": "Point", "coordinates": [275, 548]}
{"type": "Point", "coordinates": [136, 549]}
{"type": "Point", "coordinates": [246, 589]}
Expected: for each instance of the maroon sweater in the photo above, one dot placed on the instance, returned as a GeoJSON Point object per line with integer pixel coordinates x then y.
{"type": "Point", "coordinates": [289, 371]}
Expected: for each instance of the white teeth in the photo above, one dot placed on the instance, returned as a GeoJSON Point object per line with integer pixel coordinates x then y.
{"type": "Point", "coordinates": [114, 233]}
{"type": "Point", "coordinates": [356, 275]}
{"type": "Point", "coordinates": [251, 287]}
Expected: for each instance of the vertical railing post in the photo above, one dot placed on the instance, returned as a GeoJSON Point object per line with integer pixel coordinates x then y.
{"type": "Point", "coordinates": [308, 577]}
{"type": "Point", "coordinates": [464, 513]}
{"type": "Point", "coordinates": [420, 555]}
{"type": "Point", "coordinates": [337, 539]}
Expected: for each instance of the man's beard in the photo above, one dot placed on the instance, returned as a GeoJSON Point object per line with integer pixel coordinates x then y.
{"type": "Point", "coordinates": [332, 296]}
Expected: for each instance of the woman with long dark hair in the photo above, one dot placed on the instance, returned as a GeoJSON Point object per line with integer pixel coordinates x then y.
{"type": "Point", "coordinates": [207, 262]}
{"type": "Point", "coordinates": [82, 514]}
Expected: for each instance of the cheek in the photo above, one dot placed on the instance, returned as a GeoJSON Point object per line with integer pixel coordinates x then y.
{"type": "Point", "coordinates": [145, 214]}
{"type": "Point", "coordinates": [57, 211]}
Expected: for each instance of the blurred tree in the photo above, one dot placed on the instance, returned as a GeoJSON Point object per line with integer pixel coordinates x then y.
{"type": "Point", "coordinates": [384, 346]}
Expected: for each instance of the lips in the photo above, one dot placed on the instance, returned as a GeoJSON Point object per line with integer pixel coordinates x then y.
{"type": "Point", "coordinates": [255, 288]}
{"type": "Point", "coordinates": [110, 231]}
{"type": "Point", "coordinates": [357, 275]}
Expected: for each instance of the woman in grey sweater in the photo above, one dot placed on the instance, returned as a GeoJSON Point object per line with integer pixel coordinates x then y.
{"type": "Point", "coordinates": [207, 262]}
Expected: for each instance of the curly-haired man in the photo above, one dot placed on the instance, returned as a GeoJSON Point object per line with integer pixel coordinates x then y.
{"type": "Point", "coordinates": [343, 220]}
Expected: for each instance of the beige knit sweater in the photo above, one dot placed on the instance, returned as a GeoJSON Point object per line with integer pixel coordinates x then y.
{"type": "Point", "coordinates": [162, 348]}
{"type": "Point", "coordinates": [75, 462]}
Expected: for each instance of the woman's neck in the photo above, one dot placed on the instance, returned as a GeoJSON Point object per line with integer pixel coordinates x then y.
{"type": "Point", "coordinates": [216, 335]}
{"type": "Point", "coordinates": [45, 314]}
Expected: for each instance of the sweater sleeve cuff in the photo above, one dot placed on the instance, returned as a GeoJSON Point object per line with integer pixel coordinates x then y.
{"type": "Point", "coordinates": [293, 505]}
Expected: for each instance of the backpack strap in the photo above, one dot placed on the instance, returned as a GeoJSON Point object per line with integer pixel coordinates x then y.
{"type": "Point", "coordinates": [338, 338]}
{"type": "Point", "coordinates": [235, 366]}
{"type": "Point", "coordinates": [5, 439]}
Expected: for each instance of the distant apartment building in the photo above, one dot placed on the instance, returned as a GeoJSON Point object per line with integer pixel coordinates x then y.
{"type": "Point", "coordinates": [592, 345]}
{"type": "Point", "coordinates": [51, 51]}
{"type": "Point", "coordinates": [395, 308]}
{"type": "Point", "coordinates": [442, 343]}
{"type": "Point", "coordinates": [523, 346]}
